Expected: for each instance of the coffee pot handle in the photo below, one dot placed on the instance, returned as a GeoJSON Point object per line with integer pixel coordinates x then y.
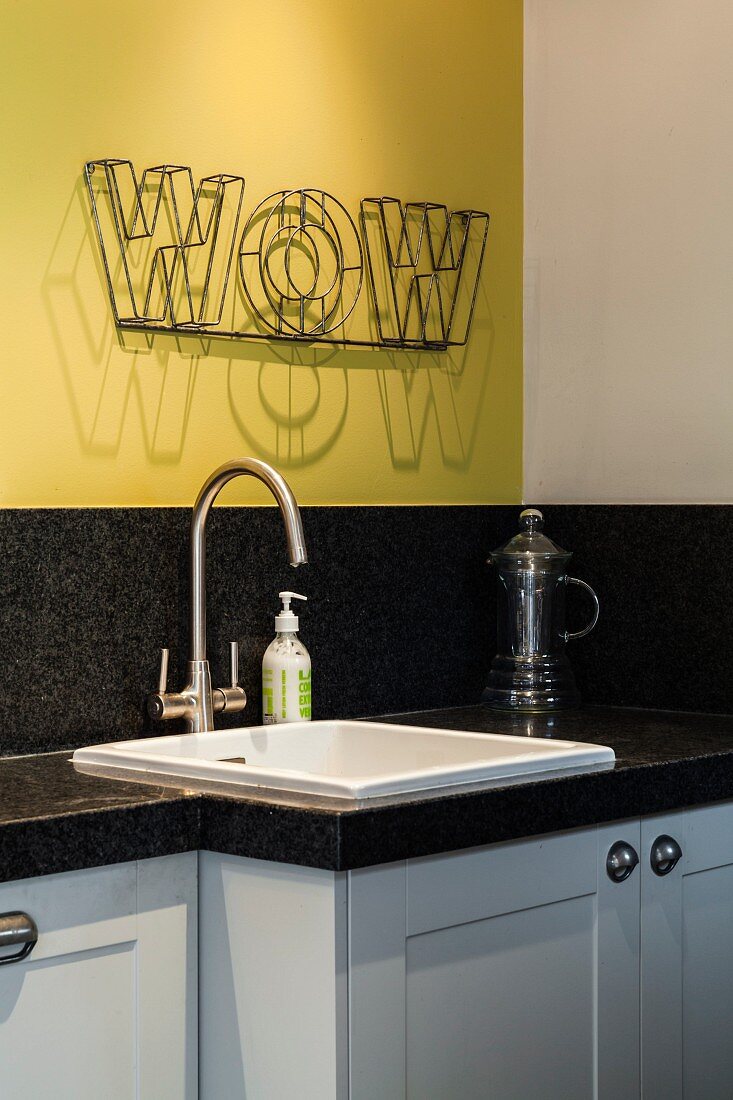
{"type": "Point", "coordinates": [587, 629]}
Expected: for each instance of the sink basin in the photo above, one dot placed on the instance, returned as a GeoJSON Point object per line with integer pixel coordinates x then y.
{"type": "Point", "coordinates": [351, 760]}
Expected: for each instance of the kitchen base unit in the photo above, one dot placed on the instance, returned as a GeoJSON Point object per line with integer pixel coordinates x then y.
{"type": "Point", "coordinates": [506, 971]}
{"type": "Point", "coordinates": [595, 962]}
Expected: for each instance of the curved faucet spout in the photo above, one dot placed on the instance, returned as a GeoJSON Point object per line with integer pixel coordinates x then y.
{"type": "Point", "coordinates": [197, 702]}
{"type": "Point", "coordinates": [282, 493]}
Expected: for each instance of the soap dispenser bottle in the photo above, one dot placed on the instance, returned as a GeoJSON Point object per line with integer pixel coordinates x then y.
{"type": "Point", "coordinates": [286, 670]}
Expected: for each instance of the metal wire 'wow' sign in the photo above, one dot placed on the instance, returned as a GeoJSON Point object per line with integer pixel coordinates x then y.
{"type": "Point", "coordinates": [175, 260]}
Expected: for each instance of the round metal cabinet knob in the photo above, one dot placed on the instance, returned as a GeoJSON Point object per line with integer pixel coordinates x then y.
{"type": "Point", "coordinates": [665, 855]}
{"type": "Point", "coordinates": [620, 861]}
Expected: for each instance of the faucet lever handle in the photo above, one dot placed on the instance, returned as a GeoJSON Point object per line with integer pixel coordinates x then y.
{"type": "Point", "coordinates": [234, 698]}
{"type": "Point", "coordinates": [163, 704]}
{"type": "Point", "coordinates": [163, 678]}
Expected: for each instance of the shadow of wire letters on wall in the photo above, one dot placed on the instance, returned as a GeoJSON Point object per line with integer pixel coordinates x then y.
{"type": "Point", "coordinates": [289, 403]}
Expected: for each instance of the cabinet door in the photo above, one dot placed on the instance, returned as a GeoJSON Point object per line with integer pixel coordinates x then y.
{"type": "Point", "coordinates": [687, 958]}
{"type": "Point", "coordinates": [503, 972]}
{"type": "Point", "coordinates": [105, 1005]}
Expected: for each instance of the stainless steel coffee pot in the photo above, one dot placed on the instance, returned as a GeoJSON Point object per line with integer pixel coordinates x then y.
{"type": "Point", "coordinates": [531, 671]}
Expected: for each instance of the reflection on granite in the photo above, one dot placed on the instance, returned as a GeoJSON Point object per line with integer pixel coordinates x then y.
{"type": "Point", "coordinates": [48, 785]}
{"type": "Point", "coordinates": [52, 818]}
{"type": "Point", "coordinates": [638, 737]}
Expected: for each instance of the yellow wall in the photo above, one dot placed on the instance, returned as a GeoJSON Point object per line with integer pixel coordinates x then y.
{"type": "Point", "coordinates": [417, 99]}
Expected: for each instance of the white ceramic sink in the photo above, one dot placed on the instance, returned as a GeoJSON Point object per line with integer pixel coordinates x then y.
{"type": "Point", "coordinates": [351, 760]}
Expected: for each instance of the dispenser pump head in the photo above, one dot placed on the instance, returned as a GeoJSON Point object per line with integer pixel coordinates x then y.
{"type": "Point", "coordinates": [286, 622]}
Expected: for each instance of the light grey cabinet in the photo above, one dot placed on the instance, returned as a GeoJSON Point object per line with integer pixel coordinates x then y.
{"type": "Point", "coordinates": [106, 1003]}
{"type": "Point", "coordinates": [510, 971]}
{"type": "Point", "coordinates": [687, 958]}
{"type": "Point", "coordinates": [507, 972]}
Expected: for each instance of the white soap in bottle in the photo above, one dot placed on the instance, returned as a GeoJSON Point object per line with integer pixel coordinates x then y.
{"type": "Point", "coordinates": [286, 670]}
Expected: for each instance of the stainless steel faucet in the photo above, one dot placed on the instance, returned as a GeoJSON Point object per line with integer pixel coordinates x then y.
{"type": "Point", "coordinates": [198, 702]}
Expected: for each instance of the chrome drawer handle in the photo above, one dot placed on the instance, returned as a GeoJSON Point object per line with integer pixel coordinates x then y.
{"type": "Point", "coordinates": [17, 928]}
{"type": "Point", "coordinates": [665, 855]}
{"type": "Point", "coordinates": [620, 861]}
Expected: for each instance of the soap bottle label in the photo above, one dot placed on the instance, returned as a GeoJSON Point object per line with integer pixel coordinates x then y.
{"type": "Point", "coordinates": [304, 692]}
{"type": "Point", "coordinates": [286, 694]}
{"type": "Point", "coordinates": [268, 703]}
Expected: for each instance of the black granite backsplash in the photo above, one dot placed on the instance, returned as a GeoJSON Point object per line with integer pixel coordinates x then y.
{"type": "Point", "coordinates": [665, 583]}
{"type": "Point", "coordinates": [400, 613]}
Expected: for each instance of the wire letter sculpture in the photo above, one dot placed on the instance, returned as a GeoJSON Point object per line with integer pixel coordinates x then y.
{"type": "Point", "coordinates": [168, 253]}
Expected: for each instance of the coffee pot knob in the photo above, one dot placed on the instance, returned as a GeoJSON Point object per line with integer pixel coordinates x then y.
{"type": "Point", "coordinates": [531, 519]}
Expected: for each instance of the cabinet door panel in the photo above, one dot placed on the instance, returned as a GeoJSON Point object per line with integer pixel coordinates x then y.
{"type": "Point", "coordinates": [504, 1007]}
{"type": "Point", "coordinates": [106, 1004]}
{"type": "Point", "coordinates": [66, 1030]}
{"type": "Point", "coordinates": [687, 959]}
{"type": "Point", "coordinates": [707, 982]}
{"type": "Point", "coordinates": [490, 973]}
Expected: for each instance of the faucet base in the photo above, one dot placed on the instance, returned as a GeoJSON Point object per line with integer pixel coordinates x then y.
{"type": "Point", "coordinates": [200, 716]}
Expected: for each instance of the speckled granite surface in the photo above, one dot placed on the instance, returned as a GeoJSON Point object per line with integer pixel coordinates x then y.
{"type": "Point", "coordinates": [401, 616]}
{"type": "Point", "coordinates": [54, 819]}
{"type": "Point", "coordinates": [400, 611]}
{"type": "Point", "coordinates": [663, 577]}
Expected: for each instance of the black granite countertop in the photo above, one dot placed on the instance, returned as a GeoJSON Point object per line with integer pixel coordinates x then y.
{"type": "Point", "coordinates": [53, 818]}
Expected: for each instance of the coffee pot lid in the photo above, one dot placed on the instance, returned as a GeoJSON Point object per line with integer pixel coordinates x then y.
{"type": "Point", "coordinates": [530, 544]}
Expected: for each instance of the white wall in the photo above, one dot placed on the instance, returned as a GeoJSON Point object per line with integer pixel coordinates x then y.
{"type": "Point", "coordinates": [628, 250]}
